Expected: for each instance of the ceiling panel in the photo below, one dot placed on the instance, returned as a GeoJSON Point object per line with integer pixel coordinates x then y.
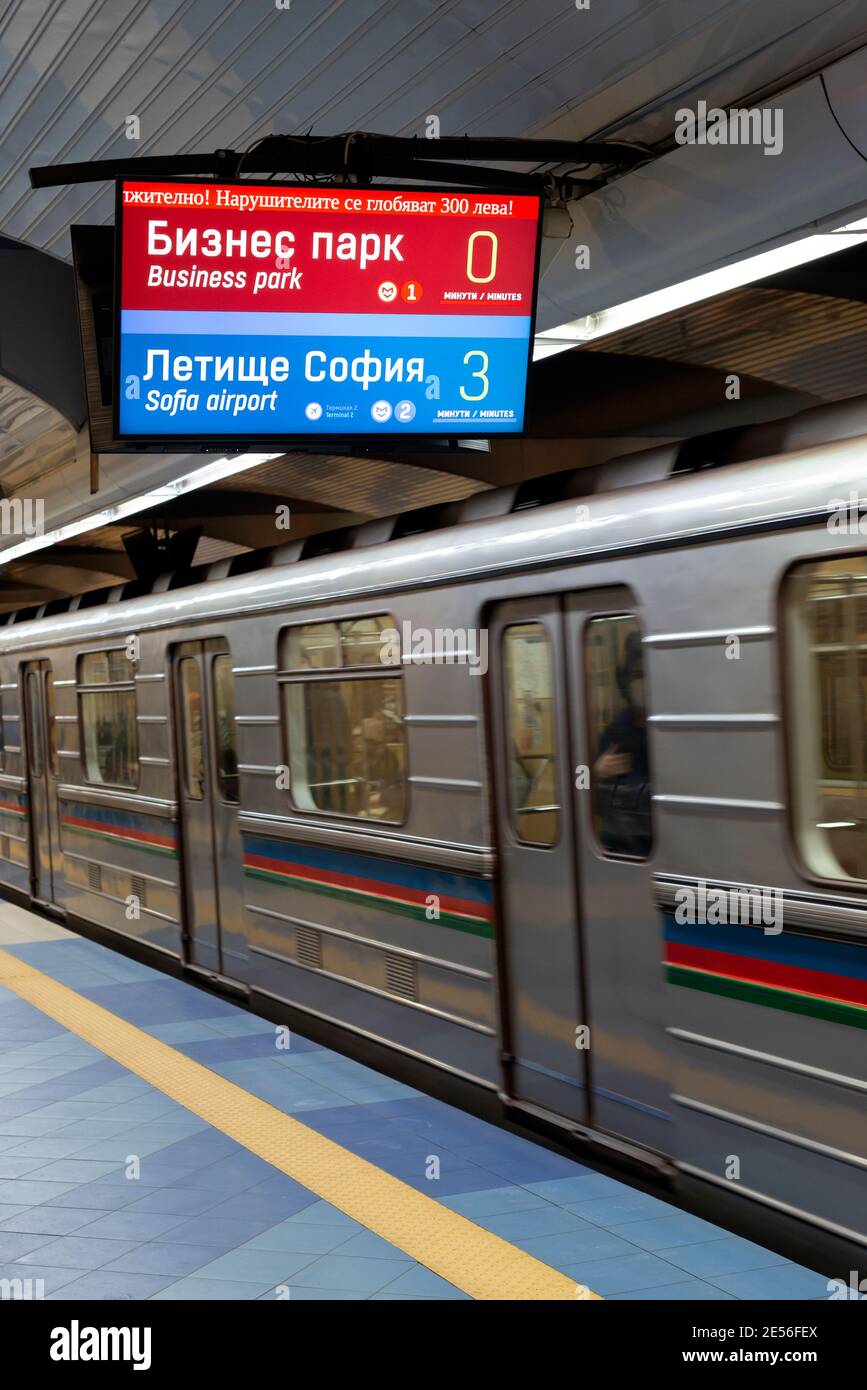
{"type": "Point", "coordinates": [200, 75]}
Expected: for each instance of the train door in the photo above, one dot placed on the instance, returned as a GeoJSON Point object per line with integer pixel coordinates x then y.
{"type": "Point", "coordinates": [541, 942]}
{"type": "Point", "coordinates": [581, 950]}
{"type": "Point", "coordinates": [46, 856]}
{"type": "Point", "coordinates": [208, 778]}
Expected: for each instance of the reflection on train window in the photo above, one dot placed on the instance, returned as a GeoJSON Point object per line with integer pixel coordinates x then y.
{"type": "Point", "coordinates": [224, 720]}
{"type": "Point", "coordinates": [531, 734]}
{"type": "Point", "coordinates": [193, 743]}
{"type": "Point", "coordinates": [34, 723]}
{"type": "Point", "coordinates": [345, 731]}
{"type": "Point", "coordinates": [825, 605]}
{"type": "Point", "coordinates": [53, 767]}
{"type": "Point", "coordinates": [106, 697]}
{"type": "Point", "coordinates": [619, 772]}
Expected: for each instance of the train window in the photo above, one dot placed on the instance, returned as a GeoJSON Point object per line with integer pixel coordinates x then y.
{"type": "Point", "coordinates": [193, 737]}
{"type": "Point", "coordinates": [825, 613]}
{"type": "Point", "coordinates": [531, 733]}
{"type": "Point", "coordinates": [345, 730]}
{"type": "Point", "coordinates": [34, 723]}
{"type": "Point", "coordinates": [616, 709]}
{"type": "Point", "coordinates": [53, 766]}
{"type": "Point", "coordinates": [106, 700]}
{"type": "Point", "coordinates": [224, 718]}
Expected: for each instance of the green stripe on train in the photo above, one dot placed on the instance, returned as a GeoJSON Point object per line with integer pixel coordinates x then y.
{"type": "Point", "coordinates": [852, 1015]}
{"type": "Point", "coordinates": [473, 926]}
{"type": "Point", "coordinates": [120, 840]}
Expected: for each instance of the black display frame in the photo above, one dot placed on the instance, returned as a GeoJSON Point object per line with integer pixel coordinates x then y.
{"type": "Point", "coordinates": [238, 443]}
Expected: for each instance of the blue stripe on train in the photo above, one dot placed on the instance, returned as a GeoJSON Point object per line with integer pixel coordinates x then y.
{"type": "Point", "coordinates": [368, 866]}
{"type": "Point", "coordinates": [784, 948]}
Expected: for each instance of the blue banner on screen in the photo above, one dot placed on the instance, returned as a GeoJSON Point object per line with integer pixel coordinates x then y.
{"type": "Point", "coordinates": [254, 312]}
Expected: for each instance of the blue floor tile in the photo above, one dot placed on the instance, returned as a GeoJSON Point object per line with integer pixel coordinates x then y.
{"type": "Point", "coordinates": [665, 1232]}
{"type": "Point", "coordinates": [210, 1230]}
{"type": "Point", "coordinates": [209, 1290]}
{"type": "Point", "coordinates": [134, 1225]}
{"type": "Point", "coordinates": [369, 1246]}
{"type": "Point", "coordinates": [107, 1285]}
{"type": "Point", "coordinates": [316, 1239]}
{"type": "Point", "coordinates": [101, 1196]}
{"type": "Point", "coordinates": [14, 1244]}
{"type": "Point", "coordinates": [48, 1220]}
{"type": "Point", "coordinates": [179, 1200]}
{"type": "Point", "coordinates": [423, 1283]}
{"type": "Point", "coordinates": [628, 1205]}
{"type": "Point", "coordinates": [258, 1266]}
{"type": "Point", "coordinates": [625, 1274]}
{"type": "Point", "coordinates": [537, 1221]}
{"type": "Point", "coordinates": [577, 1187]}
{"type": "Point", "coordinates": [729, 1255]}
{"type": "Point", "coordinates": [592, 1243]}
{"type": "Point", "coordinates": [78, 1252]}
{"type": "Point", "coordinates": [776, 1282]}
{"type": "Point", "coordinates": [52, 1278]}
{"type": "Point", "coordinates": [692, 1292]}
{"type": "Point", "coordinates": [354, 1275]}
{"type": "Point", "coordinates": [265, 1211]}
{"type": "Point", "coordinates": [163, 1259]}
{"type": "Point", "coordinates": [494, 1201]}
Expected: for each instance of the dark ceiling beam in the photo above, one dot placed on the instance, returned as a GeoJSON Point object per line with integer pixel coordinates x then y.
{"type": "Point", "coordinates": [363, 154]}
{"type": "Point", "coordinates": [39, 343]}
{"type": "Point", "coordinates": [207, 503]}
{"type": "Point", "coordinates": [90, 557]}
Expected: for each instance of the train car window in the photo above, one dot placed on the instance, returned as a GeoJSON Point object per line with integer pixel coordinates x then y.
{"type": "Point", "coordinates": [224, 717]}
{"type": "Point", "coordinates": [53, 762]}
{"type": "Point", "coordinates": [531, 734]}
{"type": "Point", "coordinates": [825, 614]}
{"type": "Point", "coordinates": [620, 786]}
{"type": "Point", "coordinates": [193, 734]}
{"type": "Point", "coordinates": [106, 701]}
{"type": "Point", "coordinates": [345, 731]}
{"type": "Point", "coordinates": [34, 723]}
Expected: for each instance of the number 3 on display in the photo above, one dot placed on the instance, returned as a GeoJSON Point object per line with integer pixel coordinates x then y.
{"type": "Point", "coordinates": [477, 352]}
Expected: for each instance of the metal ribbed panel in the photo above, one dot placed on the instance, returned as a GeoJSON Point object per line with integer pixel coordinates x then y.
{"type": "Point", "coordinates": [308, 947]}
{"type": "Point", "coordinates": [94, 877]}
{"type": "Point", "coordinates": [401, 976]}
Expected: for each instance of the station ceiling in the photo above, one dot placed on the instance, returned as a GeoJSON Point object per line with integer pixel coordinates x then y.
{"type": "Point", "coordinates": [199, 75]}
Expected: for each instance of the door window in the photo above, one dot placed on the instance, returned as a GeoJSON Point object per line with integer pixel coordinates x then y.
{"type": "Point", "coordinates": [34, 723]}
{"type": "Point", "coordinates": [191, 723]}
{"type": "Point", "coordinates": [531, 734]}
{"type": "Point", "coordinates": [224, 728]}
{"type": "Point", "coordinates": [616, 707]}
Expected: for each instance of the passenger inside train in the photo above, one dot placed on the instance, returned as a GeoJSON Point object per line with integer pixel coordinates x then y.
{"type": "Point", "coordinates": [621, 773]}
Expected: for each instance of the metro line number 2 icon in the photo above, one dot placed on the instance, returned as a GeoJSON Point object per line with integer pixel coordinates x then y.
{"type": "Point", "coordinates": [269, 311]}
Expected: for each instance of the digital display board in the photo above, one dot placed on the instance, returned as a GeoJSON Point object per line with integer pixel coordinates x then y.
{"type": "Point", "coordinates": [273, 311]}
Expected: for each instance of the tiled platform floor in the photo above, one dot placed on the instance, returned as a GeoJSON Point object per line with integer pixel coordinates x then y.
{"type": "Point", "coordinates": [206, 1219]}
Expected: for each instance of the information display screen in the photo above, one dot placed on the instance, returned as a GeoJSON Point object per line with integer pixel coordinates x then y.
{"type": "Point", "coordinates": [273, 311]}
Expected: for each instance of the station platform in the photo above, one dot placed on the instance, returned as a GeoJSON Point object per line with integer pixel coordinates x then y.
{"type": "Point", "coordinates": [159, 1143]}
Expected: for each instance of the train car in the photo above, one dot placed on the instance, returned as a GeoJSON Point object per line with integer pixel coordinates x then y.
{"type": "Point", "coordinates": [564, 803]}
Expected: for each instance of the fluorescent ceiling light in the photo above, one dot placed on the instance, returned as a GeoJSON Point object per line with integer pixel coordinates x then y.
{"type": "Point", "coordinates": [728, 277]}
{"type": "Point", "coordinates": [131, 506]}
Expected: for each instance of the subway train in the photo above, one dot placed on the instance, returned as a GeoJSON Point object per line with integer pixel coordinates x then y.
{"type": "Point", "coordinates": [553, 792]}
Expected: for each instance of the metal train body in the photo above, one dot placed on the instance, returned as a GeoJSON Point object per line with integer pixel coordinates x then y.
{"type": "Point", "coordinates": [446, 937]}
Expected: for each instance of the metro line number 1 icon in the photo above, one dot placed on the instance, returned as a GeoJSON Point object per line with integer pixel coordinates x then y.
{"type": "Point", "coordinates": [274, 311]}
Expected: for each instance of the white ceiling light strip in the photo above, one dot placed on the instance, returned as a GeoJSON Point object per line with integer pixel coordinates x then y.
{"type": "Point", "coordinates": [211, 472]}
{"type": "Point", "coordinates": [714, 282]}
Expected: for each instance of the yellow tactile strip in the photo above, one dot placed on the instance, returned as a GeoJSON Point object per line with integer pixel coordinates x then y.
{"type": "Point", "coordinates": [481, 1264]}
